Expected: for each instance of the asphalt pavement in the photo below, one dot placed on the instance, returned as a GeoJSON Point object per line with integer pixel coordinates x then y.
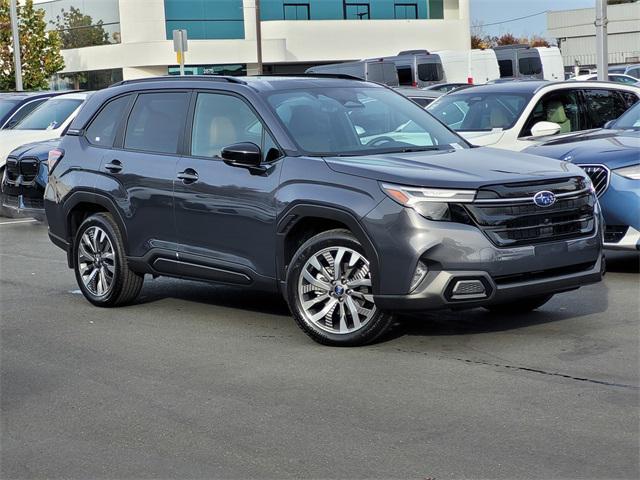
{"type": "Point", "coordinates": [202, 381]}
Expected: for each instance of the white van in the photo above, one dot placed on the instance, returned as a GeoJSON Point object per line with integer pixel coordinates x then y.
{"type": "Point", "coordinates": [468, 66]}
{"type": "Point", "coordinates": [517, 61]}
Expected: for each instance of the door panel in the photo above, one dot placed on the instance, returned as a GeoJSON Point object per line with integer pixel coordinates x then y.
{"type": "Point", "coordinates": [143, 171]}
{"type": "Point", "coordinates": [224, 213]}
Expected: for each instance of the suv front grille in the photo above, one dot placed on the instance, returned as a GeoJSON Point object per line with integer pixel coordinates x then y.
{"type": "Point", "coordinates": [518, 221]}
{"type": "Point", "coordinates": [27, 168]}
{"type": "Point", "coordinates": [12, 168]}
{"type": "Point", "coordinates": [599, 175]}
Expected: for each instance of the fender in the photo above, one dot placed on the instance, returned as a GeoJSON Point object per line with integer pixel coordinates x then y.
{"type": "Point", "coordinates": [299, 211]}
{"type": "Point", "coordinates": [105, 202]}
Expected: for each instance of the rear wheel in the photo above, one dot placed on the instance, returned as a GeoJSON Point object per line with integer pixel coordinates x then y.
{"type": "Point", "coordinates": [101, 267]}
{"type": "Point", "coordinates": [329, 289]}
{"type": "Point", "coordinates": [520, 306]}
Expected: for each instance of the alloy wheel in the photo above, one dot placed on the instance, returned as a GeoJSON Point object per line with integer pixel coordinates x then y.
{"type": "Point", "coordinates": [334, 291]}
{"type": "Point", "coordinates": [96, 261]}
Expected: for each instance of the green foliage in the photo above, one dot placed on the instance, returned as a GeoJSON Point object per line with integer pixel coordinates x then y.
{"type": "Point", "coordinates": [39, 49]}
{"type": "Point", "coordinates": [77, 30]}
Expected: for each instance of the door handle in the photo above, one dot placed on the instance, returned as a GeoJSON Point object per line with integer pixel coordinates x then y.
{"type": "Point", "coordinates": [114, 166]}
{"type": "Point", "coordinates": [188, 176]}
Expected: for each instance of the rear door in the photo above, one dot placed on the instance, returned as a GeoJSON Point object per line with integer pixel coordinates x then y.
{"type": "Point", "coordinates": [139, 171]}
{"type": "Point", "coordinates": [603, 105]}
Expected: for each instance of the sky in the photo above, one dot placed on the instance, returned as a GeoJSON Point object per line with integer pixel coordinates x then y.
{"type": "Point", "coordinates": [493, 11]}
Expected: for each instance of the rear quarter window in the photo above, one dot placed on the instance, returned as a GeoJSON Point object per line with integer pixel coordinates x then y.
{"type": "Point", "coordinates": [103, 128]}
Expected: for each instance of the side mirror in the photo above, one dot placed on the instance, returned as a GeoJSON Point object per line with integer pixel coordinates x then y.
{"type": "Point", "coordinates": [246, 155]}
{"type": "Point", "coordinates": [544, 129]}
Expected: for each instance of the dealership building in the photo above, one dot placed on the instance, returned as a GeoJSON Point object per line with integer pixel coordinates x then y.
{"type": "Point", "coordinates": [109, 40]}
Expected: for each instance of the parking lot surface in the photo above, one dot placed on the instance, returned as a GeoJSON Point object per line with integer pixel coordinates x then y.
{"type": "Point", "coordinates": [201, 381]}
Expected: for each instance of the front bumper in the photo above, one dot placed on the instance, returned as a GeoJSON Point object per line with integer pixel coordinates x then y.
{"type": "Point", "coordinates": [24, 205]}
{"type": "Point", "coordinates": [621, 210]}
{"type": "Point", "coordinates": [456, 252]}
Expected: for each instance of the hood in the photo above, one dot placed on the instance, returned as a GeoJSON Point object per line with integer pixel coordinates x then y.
{"type": "Point", "coordinates": [467, 168]}
{"type": "Point", "coordinates": [613, 148]}
{"type": "Point", "coordinates": [483, 139]}
{"type": "Point", "coordinates": [37, 149]}
{"type": "Point", "coordinates": [12, 139]}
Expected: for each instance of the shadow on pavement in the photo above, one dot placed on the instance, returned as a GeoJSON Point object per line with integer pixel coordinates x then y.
{"type": "Point", "coordinates": [623, 262]}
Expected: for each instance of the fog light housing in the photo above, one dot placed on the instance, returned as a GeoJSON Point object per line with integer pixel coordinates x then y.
{"type": "Point", "coordinates": [420, 273]}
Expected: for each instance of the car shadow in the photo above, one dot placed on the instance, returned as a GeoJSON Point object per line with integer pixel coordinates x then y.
{"type": "Point", "coordinates": [214, 295]}
{"type": "Point", "coordinates": [623, 262]}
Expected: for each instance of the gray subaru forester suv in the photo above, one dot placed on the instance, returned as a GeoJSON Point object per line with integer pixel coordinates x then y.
{"type": "Point", "coordinates": [345, 196]}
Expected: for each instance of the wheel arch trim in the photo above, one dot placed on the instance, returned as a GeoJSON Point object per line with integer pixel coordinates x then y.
{"type": "Point", "coordinates": [303, 210]}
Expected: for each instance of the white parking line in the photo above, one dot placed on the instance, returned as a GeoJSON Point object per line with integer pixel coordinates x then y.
{"type": "Point", "coordinates": [26, 220]}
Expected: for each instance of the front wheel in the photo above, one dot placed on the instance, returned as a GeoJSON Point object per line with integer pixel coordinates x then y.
{"type": "Point", "coordinates": [101, 268]}
{"type": "Point", "coordinates": [523, 305]}
{"type": "Point", "coordinates": [329, 290]}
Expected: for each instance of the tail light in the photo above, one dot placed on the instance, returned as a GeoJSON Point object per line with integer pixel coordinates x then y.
{"type": "Point", "coordinates": [54, 157]}
{"type": "Point", "coordinates": [470, 80]}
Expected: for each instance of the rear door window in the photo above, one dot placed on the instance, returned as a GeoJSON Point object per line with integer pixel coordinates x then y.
{"type": "Point", "coordinates": [103, 128]}
{"type": "Point", "coordinates": [430, 72]}
{"type": "Point", "coordinates": [530, 66]}
{"type": "Point", "coordinates": [156, 122]}
{"type": "Point", "coordinates": [506, 68]}
{"type": "Point", "coordinates": [603, 105]}
{"type": "Point", "coordinates": [405, 76]}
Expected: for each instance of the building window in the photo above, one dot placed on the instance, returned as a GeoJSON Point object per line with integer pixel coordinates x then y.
{"type": "Point", "coordinates": [205, 19]}
{"type": "Point", "coordinates": [90, 80]}
{"type": "Point", "coordinates": [356, 11]}
{"type": "Point", "coordinates": [296, 11]}
{"type": "Point", "coordinates": [436, 9]}
{"type": "Point", "coordinates": [406, 10]}
{"type": "Point", "coordinates": [83, 23]}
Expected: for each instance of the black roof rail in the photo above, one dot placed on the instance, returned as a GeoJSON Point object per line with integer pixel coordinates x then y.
{"type": "Point", "coordinates": [343, 76]}
{"type": "Point", "coordinates": [201, 78]}
{"type": "Point", "coordinates": [512, 47]}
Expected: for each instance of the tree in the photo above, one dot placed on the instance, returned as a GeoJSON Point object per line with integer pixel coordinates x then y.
{"type": "Point", "coordinates": [39, 49]}
{"type": "Point", "coordinates": [77, 30]}
{"type": "Point", "coordinates": [508, 39]}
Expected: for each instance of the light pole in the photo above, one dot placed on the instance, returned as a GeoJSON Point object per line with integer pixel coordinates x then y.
{"type": "Point", "coordinates": [258, 37]}
{"type": "Point", "coordinates": [602, 55]}
{"type": "Point", "coordinates": [13, 12]}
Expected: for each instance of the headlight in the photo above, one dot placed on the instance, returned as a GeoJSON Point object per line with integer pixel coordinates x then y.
{"type": "Point", "coordinates": [632, 172]}
{"type": "Point", "coordinates": [433, 203]}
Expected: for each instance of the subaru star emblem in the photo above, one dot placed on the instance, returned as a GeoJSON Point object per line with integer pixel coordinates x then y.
{"type": "Point", "coordinates": [544, 198]}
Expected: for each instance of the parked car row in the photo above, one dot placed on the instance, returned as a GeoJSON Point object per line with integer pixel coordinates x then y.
{"type": "Point", "coordinates": [343, 195]}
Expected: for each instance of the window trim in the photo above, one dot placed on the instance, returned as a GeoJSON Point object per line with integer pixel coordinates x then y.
{"type": "Point", "coordinates": [118, 144]}
{"type": "Point", "coordinates": [287, 4]}
{"type": "Point", "coordinates": [348, 3]}
{"type": "Point", "coordinates": [188, 130]}
{"type": "Point", "coordinates": [402, 4]}
{"type": "Point", "coordinates": [124, 114]}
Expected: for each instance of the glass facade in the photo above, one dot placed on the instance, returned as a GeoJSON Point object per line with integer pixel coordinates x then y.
{"type": "Point", "coordinates": [205, 19]}
{"type": "Point", "coordinates": [83, 23]}
{"type": "Point", "coordinates": [237, 70]}
{"type": "Point", "coordinates": [353, 9]}
{"type": "Point", "coordinates": [91, 80]}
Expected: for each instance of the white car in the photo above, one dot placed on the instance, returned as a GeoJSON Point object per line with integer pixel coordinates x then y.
{"type": "Point", "coordinates": [613, 77]}
{"type": "Point", "coordinates": [517, 115]}
{"type": "Point", "coordinates": [47, 121]}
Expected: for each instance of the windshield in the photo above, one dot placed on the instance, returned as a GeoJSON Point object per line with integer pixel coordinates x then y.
{"type": "Point", "coordinates": [6, 106]}
{"type": "Point", "coordinates": [630, 119]}
{"type": "Point", "coordinates": [358, 120]}
{"type": "Point", "coordinates": [468, 112]}
{"type": "Point", "coordinates": [50, 115]}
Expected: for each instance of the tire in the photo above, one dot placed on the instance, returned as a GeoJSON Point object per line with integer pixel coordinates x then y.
{"type": "Point", "coordinates": [520, 306]}
{"type": "Point", "coordinates": [341, 313]}
{"type": "Point", "coordinates": [124, 285]}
